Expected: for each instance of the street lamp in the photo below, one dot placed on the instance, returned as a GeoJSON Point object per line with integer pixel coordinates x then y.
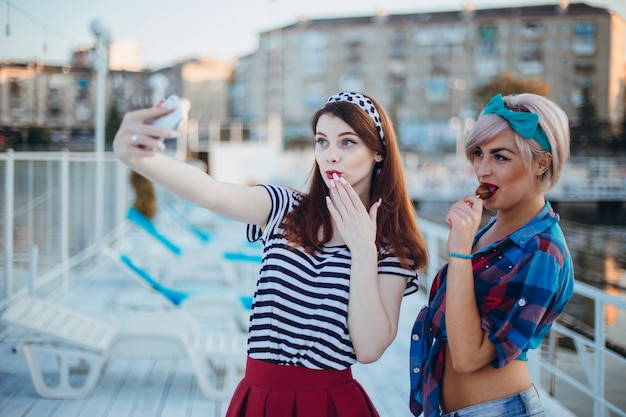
{"type": "Point", "coordinates": [101, 61]}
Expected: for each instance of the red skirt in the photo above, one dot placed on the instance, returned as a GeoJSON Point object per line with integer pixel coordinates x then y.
{"type": "Point", "coordinates": [269, 390]}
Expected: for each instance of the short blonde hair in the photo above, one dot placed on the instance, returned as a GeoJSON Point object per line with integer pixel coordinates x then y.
{"type": "Point", "coordinates": [552, 120]}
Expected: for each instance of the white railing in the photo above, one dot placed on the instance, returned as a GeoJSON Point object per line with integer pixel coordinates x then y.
{"type": "Point", "coordinates": [48, 229]}
{"type": "Point", "coordinates": [588, 375]}
{"type": "Point", "coordinates": [51, 222]}
{"type": "Point", "coordinates": [450, 177]}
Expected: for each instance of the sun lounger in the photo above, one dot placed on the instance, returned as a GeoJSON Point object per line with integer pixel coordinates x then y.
{"type": "Point", "coordinates": [214, 302]}
{"type": "Point", "coordinates": [217, 358]}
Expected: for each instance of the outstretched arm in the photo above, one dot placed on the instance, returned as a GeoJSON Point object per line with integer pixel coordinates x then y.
{"type": "Point", "coordinates": [138, 145]}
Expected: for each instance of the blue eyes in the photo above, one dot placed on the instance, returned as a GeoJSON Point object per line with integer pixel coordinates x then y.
{"type": "Point", "coordinates": [344, 142]}
{"type": "Point", "coordinates": [477, 153]}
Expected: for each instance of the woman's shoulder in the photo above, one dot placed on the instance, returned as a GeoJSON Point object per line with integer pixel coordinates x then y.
{"type": "Point", "coordinates": [283, 193]}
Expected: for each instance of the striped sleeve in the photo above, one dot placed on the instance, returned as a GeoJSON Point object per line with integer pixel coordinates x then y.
{"type": "Point", "coordinates": [282, 199]}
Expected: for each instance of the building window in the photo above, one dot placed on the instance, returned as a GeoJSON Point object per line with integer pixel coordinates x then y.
{"type": "Point", "coordinates": [437, 91]}
{"type": "Point", "coordinates": [439, 65]}
{"type": "Point", "coordinates": [531, 42]}
{"type": "Point", "coordinates": [15, 98]}
{"type": "Point", "coordinates": [487, 40]}
{"type": "Point", "coordinates": [314, 53]}
{"type": "Point", "coordinates": [398, 88]}
{"type": "Point", "coordinates": [398, 44]}
{"type": "Point", "coordinates": [584, 39]}
{"type": "Point", "coordinates": [54, 102]}
{"type": "Point", "coordinates": [83, 88]}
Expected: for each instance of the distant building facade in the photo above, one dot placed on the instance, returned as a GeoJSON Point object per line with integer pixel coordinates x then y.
{"type": "Point", "coordinates": [423, 67]}
{"type": "Point", "coordinates": [62, 98]}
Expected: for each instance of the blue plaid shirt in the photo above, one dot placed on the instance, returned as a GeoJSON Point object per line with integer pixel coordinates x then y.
{"type": "Point", "coordinates": [522, 283]}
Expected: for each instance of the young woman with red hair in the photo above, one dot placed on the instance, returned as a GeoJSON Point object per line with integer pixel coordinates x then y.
{"type": "Point", "coordinates": [337, 259]}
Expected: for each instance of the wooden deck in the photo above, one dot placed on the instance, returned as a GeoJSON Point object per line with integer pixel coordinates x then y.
{"type": "Point", "coordinates": [166, 387]}
{"type": "Point", "coordinates": [163, 387]}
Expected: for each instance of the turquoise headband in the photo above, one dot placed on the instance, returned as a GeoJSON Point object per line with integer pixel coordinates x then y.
{"type": "Point", "coordinates": [524, 123]}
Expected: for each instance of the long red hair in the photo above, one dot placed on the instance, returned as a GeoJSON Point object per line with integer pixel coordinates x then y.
{"type": "Point", "coordinates": [310, 224]}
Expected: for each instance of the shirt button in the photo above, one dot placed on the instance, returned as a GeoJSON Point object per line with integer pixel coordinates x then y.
{"type": "Point", "coordinates": [416, 370]}
{"type": "Point", "coordinates": [521, 302]}
{"type": "Point", "coordinates": [415, 337]}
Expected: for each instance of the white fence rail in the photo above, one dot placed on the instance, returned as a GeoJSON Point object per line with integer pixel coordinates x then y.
{"type": "Point", "coordinates": [51, 216]}
{"type": "Point", "coordinates": [49, 226]}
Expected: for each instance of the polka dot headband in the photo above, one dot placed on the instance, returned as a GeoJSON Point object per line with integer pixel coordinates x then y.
{"type": "Point", "coordinates": [365, 104]}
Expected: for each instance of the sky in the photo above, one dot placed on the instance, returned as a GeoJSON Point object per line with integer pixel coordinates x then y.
{"type": "Point", "coordinates": [166, 31]}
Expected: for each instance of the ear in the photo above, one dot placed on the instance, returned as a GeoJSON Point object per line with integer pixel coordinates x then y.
{"type": "Point", "coordinates": [378, 157]}
{"type": "Point", "coordinates": [543, 163]}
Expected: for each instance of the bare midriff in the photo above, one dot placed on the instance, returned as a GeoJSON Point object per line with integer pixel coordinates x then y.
{"type": "Point", "coordinates": [462, 389]}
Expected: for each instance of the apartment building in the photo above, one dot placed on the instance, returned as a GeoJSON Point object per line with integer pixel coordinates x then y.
{"type": "Point", "coordinates": [424, 67]}
{"type": "Point", "coordinates": [62, 99]}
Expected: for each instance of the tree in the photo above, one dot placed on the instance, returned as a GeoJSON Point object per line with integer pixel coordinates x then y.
{"type": "Point", "coordinates": [113, 122]}
{"type": "Point", "coordinates": [619, 143]}
{"type": "Point", "coordinates": [507, 83]}
{"type": "Point", "coordinates": [588, 132]}
{"type": "Point", "coordinates": [37, 138]}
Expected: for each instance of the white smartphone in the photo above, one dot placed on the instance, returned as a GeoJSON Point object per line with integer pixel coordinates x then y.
{"type": "Point", "coordinates": [172, 119]}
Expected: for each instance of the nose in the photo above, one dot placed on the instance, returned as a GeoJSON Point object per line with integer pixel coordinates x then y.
{"type": "Point", "coordinates": [332, 154]}
{"type": "Point", "coordinates": [481, 167]}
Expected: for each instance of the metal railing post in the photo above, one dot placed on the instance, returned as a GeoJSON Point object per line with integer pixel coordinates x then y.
{"type": "Point", "coordinates": [9, 203]}
{"type": "Point", "coordinates": [121, 193]}
{"type": "Point", "coordinates": [599, 410]}
{"type": "Point", "coordinates": [65, 215]}
{"type": "Point", "coordinates": [33, 259]}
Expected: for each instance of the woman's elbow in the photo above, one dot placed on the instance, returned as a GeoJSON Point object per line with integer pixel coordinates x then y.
{"type": "Point", "coordinates": [465, 366]}
{"type": "Point", "coordinates": [368, 356]}
{"type": "Point", "coordinates": [371, 352]}
{"type": "Point", "coordinates": [467, 363]}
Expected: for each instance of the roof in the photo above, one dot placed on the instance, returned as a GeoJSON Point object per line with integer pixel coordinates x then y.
{"type": "Point", "coordinates": [574, 9]}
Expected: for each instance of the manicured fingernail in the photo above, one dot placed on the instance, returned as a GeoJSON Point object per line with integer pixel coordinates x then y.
{"type": "Point", "coordinates": [343, 180]}
{"type": "Point", "coordinates": [332, 184]}
{"type": "Point", "coordinates": [328, 200]}
{"type": "Point", "coordinates": [335, 176]}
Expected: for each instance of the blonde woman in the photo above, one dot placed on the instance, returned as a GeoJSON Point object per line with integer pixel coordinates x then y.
{"type": "Point", "coordinates": [503, 286]}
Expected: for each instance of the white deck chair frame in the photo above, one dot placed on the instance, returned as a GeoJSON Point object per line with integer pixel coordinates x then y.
{"type": "Point", "coordinates": [217, 358]}
{"type": "Point", "coordinates": [217, 302]}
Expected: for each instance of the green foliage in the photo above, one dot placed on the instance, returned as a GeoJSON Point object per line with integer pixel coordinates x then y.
{"type": "Point", "coordinates": [38, 138]}
{"type": "Point", "coordinates": [588, 132]}
{"type": "Point", "coordinates": [619, 144]}
{"type": "Point", "coordinates": [507, 83]}
{"type": "Point", "coordinates": [10, 139]}
{"type": "Point", "coordinates": [112, 124]}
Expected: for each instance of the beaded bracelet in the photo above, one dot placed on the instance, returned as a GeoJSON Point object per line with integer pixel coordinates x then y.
{"type": "Point", "coordinates": [460, 255]}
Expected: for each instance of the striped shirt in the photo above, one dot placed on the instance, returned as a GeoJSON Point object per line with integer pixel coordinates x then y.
{"type": "Point", "coordinates": [300, 309]}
